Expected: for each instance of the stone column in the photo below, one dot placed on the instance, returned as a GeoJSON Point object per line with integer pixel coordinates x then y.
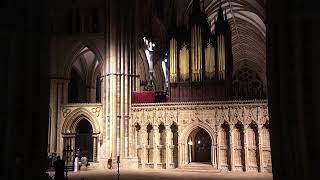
{"type": "Point", "coordinates": [136, 134]}
{"type": "Point", "coordinates": [181, 154]}
{"type": "Point", "coordinates": [131, 139]}
{"type": "Point", "coordinates": [231, 148]}
{"type": "Point", "coordinates": [120, 54]}
{"type": "Point", "coordinates": [156, 150]}
{"type": "Point", "coordinates": [218, 146]}
{"type": "Point", "coordinates": [59, 115]}
{"type": "Point", "coordinates": [168, 146]}
{"type": "Point", "coordinates": [95, 150]}
{"type": "Point", "coordinates": [112, 74]}
{"type": "Point", "coordinates": [73, 142]}
{"type": "Point", "coordinates": [53, 116]}
{"type": "Point", "coordinates": [105, 125]}
{"type": "Point", "coordinates": [246, 150]}
{"type": "Point", "coordinates": [261, 166]}
{"type": "Point", "coordinates": [144, 143]}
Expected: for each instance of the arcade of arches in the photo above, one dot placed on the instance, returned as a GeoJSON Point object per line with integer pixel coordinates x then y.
{"type": "Point", "coordinates": [227, 136]}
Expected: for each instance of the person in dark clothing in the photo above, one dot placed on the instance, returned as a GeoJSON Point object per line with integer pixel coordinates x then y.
{"type": "Point", "coordinates": [59, 169]}
{"type": "Point", "coordinates": [110, 163]}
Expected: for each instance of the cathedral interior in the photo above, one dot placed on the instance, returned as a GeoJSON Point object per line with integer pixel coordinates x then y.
{"type": "Point", "coordinates": [219, 85]}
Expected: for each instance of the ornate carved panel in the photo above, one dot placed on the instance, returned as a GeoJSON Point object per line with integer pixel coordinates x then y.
{"type": "Point", "coordinates": [65, 112]}
{"type": "Point", "coordinates": [217, 115]}
{"type": "Point", "coordinates": [263, 116]}
{"type": "Point", "coordinates": [265, 137]}
{"type": "Point", "coordinates": [96, 111]}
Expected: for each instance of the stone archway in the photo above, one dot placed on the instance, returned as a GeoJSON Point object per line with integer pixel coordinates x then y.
{"type": "Point", "coordinates": [70, 129]}
{"type": "Point", "coordinates": [199, 146]}
{"type": "Point", "coordinates": [84, 139]}
{"type": "Point", "coordinates": [184, 145]}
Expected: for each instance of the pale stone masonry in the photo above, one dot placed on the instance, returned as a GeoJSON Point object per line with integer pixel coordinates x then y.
{"type": "Point", "coordinates": [245, 122]}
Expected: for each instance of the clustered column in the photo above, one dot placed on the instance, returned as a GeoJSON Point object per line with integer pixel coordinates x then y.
{"type": "Point", "coordinates": [58, 96]}
{"type": "Point", "coordinates": [95, 144]}
{"type": "Point", "coordinates": [169, 149]}
{"type": "Point", "coordinates": [144, 136]}
{"type": "Point", "coordinates": [246, 151]}
{"type": "Point", "coordinates": [231, 148]}
{"type": "Point", "coordinates": [260, 147]}
{"type": "Point", "coordinates": [156, 154]}
{"type": "Point", "coordinates": [218, 146]}
{"type": "Point", "coordinates": [120, 75]}
{"type": "Point", "coordinates": [250, 144]}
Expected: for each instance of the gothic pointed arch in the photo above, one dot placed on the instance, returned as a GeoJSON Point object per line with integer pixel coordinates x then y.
{"type": "Point", "coordinates": [78, 48]}
{"type": "Point", "coordinates": [191, 127]}
{"type": "Point", "coordinates": [72, 120]}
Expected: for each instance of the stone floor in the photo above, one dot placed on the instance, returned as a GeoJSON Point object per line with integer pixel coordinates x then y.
{"type": "Point", "coordinates": [165, 175]}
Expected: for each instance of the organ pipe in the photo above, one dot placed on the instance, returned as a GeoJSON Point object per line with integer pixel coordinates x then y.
{"type": "Point", "coordinates": [173, 60]}
{"type": "Point", "coordinates": [199, 54]}
{"type": "Point", "coordinates": [196, 51]}
{"type": "Point", "coordinates": [221, 58]}
{"type": "Point", "coordinates": [184, 63]}
{"type": "Point", "coordinates": [193, 55]}
{"type": "Point", "coordinates": [209, 61]}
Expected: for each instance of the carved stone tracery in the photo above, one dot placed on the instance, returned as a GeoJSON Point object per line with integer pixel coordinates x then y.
{"type": "Point", "coordinates": [217, 118]}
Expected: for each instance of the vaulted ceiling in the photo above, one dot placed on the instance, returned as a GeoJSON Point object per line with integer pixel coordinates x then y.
{"type": "Point", "coordinates": [247, 21]}
{"type": "Point", "coordinates": [87, 66]}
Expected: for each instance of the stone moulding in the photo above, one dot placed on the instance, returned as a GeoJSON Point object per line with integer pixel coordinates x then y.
{"type": "Point", "coordinates": [212, 113]}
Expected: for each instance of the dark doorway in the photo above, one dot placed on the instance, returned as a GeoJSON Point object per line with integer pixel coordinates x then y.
{"type": "Point", "coordinates": [202, 146]}
{"type": "Point", "coordinates": [84, 139]}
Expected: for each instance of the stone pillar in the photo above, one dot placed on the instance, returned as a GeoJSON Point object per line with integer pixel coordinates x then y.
{"type": "Point", "coordinates": [218, 146]}
{"type": "Point", "coordinates": [105, 125]}
{"type": "Point", "coordinates": [144, 143]}
{"type": "Point", "coordinates": [156, 150]}
{"type": "Point", "coordinates": [112, 72]}
{"type": "Point", "coordinates": [136, 136]}
{"type": "Point", "coordinates": [132, 139]}
{"type": "Point", "coordinates": [73, 142]}
{"type": "Point", "coordinates": [213, 159]}
{"type": "Point", "coordinates": [53, 116]}
{"type": "Point", "coordinates": [59, 147]}
{"type": "Point", "coordinates": [181, 154]}
{"type": "Point", "coordinates": [246, 150]}
{"type": "Point", "coordinates": [261, 166]}
{"type": "Point", "coordinates": [95, 150]}
{"type": "Point", "coordinates": [56, 100]}
{"type": "Point", "coordinates": [231, 148]}
{"type": "Point", "coordinates": [120, 54]}
{"type": "Point", "coordinates": [168, 146]}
